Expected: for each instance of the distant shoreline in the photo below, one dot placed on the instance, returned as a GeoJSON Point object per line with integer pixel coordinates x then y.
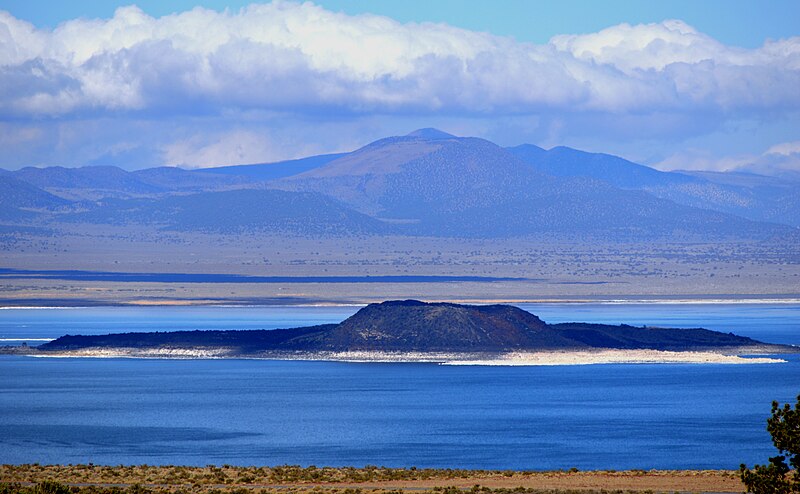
{"type": "Point", "coordinates": [696, 300]}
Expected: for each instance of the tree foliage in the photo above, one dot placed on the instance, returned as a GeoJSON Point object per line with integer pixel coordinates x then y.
{"type": "Point", "coordinates": [782, 474]}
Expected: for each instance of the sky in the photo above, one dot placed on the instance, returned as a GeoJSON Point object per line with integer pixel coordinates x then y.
{"type": "Point", "coordinates": [709, 85]}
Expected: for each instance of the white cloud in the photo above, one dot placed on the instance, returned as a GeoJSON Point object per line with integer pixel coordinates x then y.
{"type": "Point", "coordinates": [228, 148]}
{"type": "Point", "coordinates": [18, 136]}
{"type": "Point", "coordinates": [645, 46]}
{"type": "Point", "coordinates": [785, 149]}
{"type": "Point", "coordinates": [780, 158]}
{"type": "Point", "coordinates": [303, 58]}
{"type": "Point", "coordinates": [241, 146]}
{"type": "Point", "coordinates": [282, 80]}
{"type": "Point", "coordinates": [701, 159]}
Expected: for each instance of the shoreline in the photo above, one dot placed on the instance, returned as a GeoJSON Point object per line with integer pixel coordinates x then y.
{"type": "Point", "coordinates": [712, 300]}
{"type": "Point", "coordinates": [752, 356]}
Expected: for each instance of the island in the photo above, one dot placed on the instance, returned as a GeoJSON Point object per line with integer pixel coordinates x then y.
{"type": "Point", "coordinates": [447, 333]}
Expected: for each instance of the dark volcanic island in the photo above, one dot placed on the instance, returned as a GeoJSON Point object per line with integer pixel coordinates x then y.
{"type": "Point", "coordinates": [433, 332]}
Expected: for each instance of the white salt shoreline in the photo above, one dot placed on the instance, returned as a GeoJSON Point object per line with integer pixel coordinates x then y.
{"type": "Point", "coordinates": [544, 358]}
{"type": "Point", "coordinates": [618, 357]}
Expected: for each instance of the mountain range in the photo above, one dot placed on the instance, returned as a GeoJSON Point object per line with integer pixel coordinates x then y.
{"type": "Point", "coordinates": [425, 183]}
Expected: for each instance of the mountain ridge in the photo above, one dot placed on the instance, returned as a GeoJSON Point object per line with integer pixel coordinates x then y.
{"type": "Point", "coordinates": [426, 183]}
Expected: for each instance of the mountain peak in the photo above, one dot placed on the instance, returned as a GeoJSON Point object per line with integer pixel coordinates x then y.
{"type": "Point", "coordinates": [430, 133]}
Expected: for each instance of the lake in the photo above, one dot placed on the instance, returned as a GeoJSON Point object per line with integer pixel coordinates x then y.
{"type": "Point", "coordinates": [258, 412]}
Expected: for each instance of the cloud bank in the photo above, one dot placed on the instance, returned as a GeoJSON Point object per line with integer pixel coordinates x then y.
{"type": "Point", "coordinates": [300, 57]}
{"type": "Point", "coordinates": [303, 61]}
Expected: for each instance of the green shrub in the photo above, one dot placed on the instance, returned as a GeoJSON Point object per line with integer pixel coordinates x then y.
{"type": "Point", "coordinates": [777, 477]}
{"type": "Point", "coordinates": [51, 487]}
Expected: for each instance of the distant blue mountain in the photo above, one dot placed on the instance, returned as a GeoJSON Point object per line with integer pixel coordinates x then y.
{"type": "Point", "coordinates": [567, 162]}
{"type": "Point", "coordinates": [18, 194]}
{"type": "Point", "coordinates": [758, 197]}
{"type": "Point", "coordinates": [236, 211]}
{"type": "Point", "coordinates": [428, 182]}
{"type": "Point", "coordinates": [101, 180]}
{"type": "Point", "coordinates": [430, 134]}
{"type": "Point", "coordinates": [97, 182]}
{"type": "Point", "coordinates": [20, 201]}
{"type": "Point", "coordinates": [170, 178]}
{"type": "Point", "coordinates": [472, 187]}
{"type": "Point", "coordinates": [750, 196]}
{"type": "Point", "coordinates": [272, 171]}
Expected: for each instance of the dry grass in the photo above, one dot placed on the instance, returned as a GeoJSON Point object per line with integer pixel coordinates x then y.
{"type": "Point", "coordinates": [145, 479]}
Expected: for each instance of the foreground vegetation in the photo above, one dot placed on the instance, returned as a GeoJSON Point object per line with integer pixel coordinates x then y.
{"type": "Point", "coordinates": [234, 475]}
{"type": "Point", "coordinates": [782, 474]}
{"type": "Point", "coordinates": [52, 487]}
{"type": "Point", "coordinates": [146, 479]}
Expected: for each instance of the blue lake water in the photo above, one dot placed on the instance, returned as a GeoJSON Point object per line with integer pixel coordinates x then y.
{"type": "Point", "coordinates": [251, 412]}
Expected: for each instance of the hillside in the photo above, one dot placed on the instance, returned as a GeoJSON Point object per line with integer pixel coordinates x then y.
{"type": "Point", "coordinates": [87, 182]}
{"type": "Point", "coordinates": [413, 326]}
{"type": "Point", "coordinates": [235, 211]}
{"type": "Point", "coordinates": [21, 201]}
{"type": "Point", "coordinates": [751, 196]}
{"type": "Point", "coordinates": [15, 193]}
{"type": "Point", "coordinates": [562, 161]}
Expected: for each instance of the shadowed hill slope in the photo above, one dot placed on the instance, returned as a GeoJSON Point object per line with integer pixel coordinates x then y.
{"type": "Point", "coordinates": [19, 194]}
{"type": "Point", "coordinates": [236, 211]}
{"type": "Point", "coordinates": [88, 181]}
{"type": "Point", "coordinates": [18, 199]}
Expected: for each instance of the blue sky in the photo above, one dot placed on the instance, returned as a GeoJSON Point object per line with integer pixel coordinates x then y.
{"type": "Point", "coordinates": [683, 84]}
{"type": "Point", "coordinates": [744, 23]}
